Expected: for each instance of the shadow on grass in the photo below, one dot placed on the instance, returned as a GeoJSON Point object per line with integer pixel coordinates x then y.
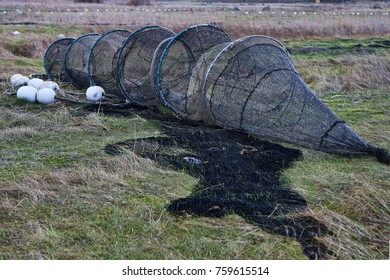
{"type": "Point", "coordinates": [237, 174]}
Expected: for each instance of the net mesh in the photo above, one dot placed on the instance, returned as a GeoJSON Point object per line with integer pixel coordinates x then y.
{"type": "Point", "coordinates": [195, 98]}
{"type": "Point", "coordinates": [253, 86]}
{"type": "Point", "coordinates": [134, 62]}
{"type": "Point", "coordinates": [250, 84]}
{"type": "Point", "coordinates": [102, 60]}
{"type": "Point", "coordinates": [154, 64]}
{"type": "Point", "coordinates": [53, 59]}
{"type": "Point", "coordinates": [178, 61]}
{"type": "Point", "coordinates": [76, 60]}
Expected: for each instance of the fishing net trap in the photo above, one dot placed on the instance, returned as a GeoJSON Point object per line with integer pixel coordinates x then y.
{"type": "Point", "coordinates": [155, 60]}
{"type": "Point", "coordinates": [76, 60]}
{"type": "Point", "coordinates": [177, 62]}
{"type": "Point", "coordinates": [134, 62]}
{"type": "Point", "coordinates": [53, 59]}
{"type": "Point", "coordinates": [252, 85]}
{"type": "Point", "coordinates": [102, 60]}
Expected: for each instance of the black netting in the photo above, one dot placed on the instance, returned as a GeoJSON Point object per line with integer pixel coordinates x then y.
{"type": "Point", "coordinates": [53, 60]}
{"type": "Point", "coordinates": [76, 60]}
{"type": "Point", "coordinates": [134, 63]}
{"type": "Point", "coordinates": [178, 60]}
{"type": "Point", "coordinates": [103, 60]}
{"type": "Point", "coordinates": [236, 174]}
{"type": "Point", "coordinates": [252, 85]}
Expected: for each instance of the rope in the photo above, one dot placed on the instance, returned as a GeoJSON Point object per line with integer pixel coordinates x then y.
{"type": "Point", "coordinates": [382, 155]}
{"type": "Point", "coordinates": [86, 102]}
{"type": "Point", "coordinates": [9, 92]}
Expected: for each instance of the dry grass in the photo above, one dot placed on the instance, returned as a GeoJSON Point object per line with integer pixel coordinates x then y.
{"type": "Point", "coordinates": [16, 133]}
{"type": "Point", "coordinates": [103, 182]}
{"type": "Point", "coordinates": [32, 46]}
{"type": "Point", "coordinates": [307, 26]}
{"type": "Point", "coordinates": [348, 236]}
{"type": "Point", "coordinates": [6, 53]}
{"type": "Point", "coordinates": [346, 73]}
{"type": "Point", "coordinates": [352, 200]}
{"type": "Point", "coordinates": [285, 21]}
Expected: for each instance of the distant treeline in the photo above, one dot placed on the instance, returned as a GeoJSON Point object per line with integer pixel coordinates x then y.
{"type": "Point", "coordinates": [280, 1]}
{"type": "Point", "coordinates": [232, 1]}
{"type": "Point", "coordinates": [284, 1]}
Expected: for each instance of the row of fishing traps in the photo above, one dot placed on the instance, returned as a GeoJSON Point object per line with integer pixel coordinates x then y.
{"type": "Point", "coordinates": [249, 84]}
{"type": "Point", "coordinates": [144, 67]}
{"type": "Point", "coordinates": [148, 66]}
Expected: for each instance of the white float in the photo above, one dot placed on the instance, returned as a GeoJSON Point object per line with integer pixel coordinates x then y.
{"type": "Point", "coordinates": [18, 80]}
{"type": "Point", "coordinates": [94, 93]}
{"type": "Point", "coordinates": [35, 83]}
{"type": "Point", "coordinates": [49, 84]}
{"type": "Point", "coordinates": [27, 93]}
{"type": "Point", "coordinates": [46, 96]}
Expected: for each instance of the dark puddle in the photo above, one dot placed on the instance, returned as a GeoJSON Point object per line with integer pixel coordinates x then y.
{"type": "Point", "coordinates": [237, 174]}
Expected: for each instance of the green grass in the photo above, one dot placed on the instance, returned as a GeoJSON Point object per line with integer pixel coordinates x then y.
{"type": "Point", "coordinates": [334, 47]}
{"type": "Point", "coordinates": [60, 190]}
{"type": "Point", "coordinates": [52, 140]}
{"type": "Point", "coordinates": [51, 30]}
{"type": "Point", "coordinates": [63, 197]}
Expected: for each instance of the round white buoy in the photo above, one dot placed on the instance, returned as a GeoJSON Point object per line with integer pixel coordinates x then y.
{"type": "Point", "coordinates": [49, 84]}
{"type": "Point", "coordinates": [18, 80]}
{"type": "Point", "coordinates": [46, 96]}
{"type": "Point", "coordinates": [35, 83]}
{"type": "Point", "coordinates": [94, 93]}
{"type": "Point", "coordinates": [14, 78]}
{"type": "Point", "coordinates": [27, 93]}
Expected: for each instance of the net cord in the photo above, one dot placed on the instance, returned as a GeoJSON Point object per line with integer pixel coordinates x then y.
{"type": "Point", "coordinates": [45, 66]}
{"type": "Point", "coordinates": [175, 38]}
{"type": "Point", "coordinates": [93, 47]}
{"type": "Point", "coordinates": [67, 54]}
{"type": "Point", "coordinates": [121, 54]}
{"type": "Point", "coordinates": [209, 100]}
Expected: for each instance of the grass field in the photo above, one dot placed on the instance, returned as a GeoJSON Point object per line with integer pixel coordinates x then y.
{"type": "Point", "coordinates": [63, 197]}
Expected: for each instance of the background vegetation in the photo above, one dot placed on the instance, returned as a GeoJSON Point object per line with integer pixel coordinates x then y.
{"type": "Point", "coordinates": [63, 197]}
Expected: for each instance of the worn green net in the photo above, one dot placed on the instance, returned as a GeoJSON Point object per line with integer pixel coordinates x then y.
{"type": "Point", "coordinates": [178, 61]}
{"type": "Point", "coordinates": [76, 60]}
{"type": "Point", "coordinates": [252, 86]}
{"type": "Point", "coordinates": [134, 62]}
{"type": "Point", "coordinates": [103, 58]}
{"type": "Point", "coordinates": [53, 59]}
